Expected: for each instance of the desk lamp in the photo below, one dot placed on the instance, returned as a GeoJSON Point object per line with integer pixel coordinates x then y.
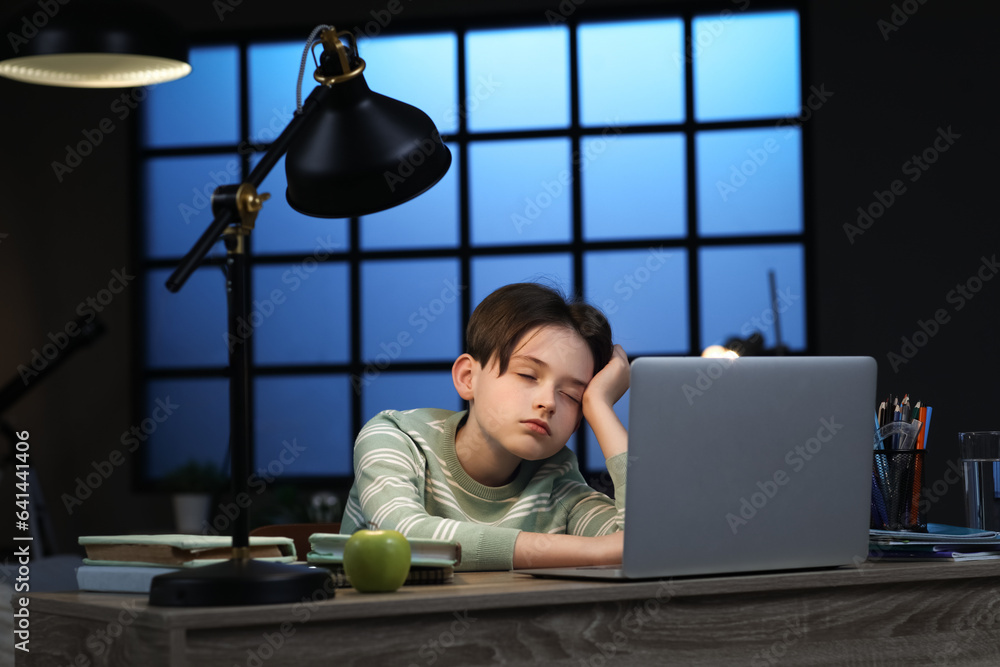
{"type": "Point", "coordinates": [350, 152]}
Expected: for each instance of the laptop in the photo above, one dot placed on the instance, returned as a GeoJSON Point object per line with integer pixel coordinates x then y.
{"type": "Point", "coordinates": [744, 465]}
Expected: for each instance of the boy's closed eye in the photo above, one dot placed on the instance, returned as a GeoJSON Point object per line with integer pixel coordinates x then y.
{"type": "Point", "coordinates": [573, 397]}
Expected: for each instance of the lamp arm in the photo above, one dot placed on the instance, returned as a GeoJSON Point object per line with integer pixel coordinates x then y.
{"type": "Point", "coordinates": [225, 214]}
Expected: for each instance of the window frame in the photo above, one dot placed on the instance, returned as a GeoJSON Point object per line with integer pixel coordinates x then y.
{"type": "Point", "coordinates": [354, 256]}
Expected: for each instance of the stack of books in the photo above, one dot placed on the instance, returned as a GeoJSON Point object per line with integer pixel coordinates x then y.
{"type": "Point", "coordinates": [941, 542]}
{"type": "Point", "coordinates": [431, 561]}
{"type": "Point", "coordinates": [128, 563]}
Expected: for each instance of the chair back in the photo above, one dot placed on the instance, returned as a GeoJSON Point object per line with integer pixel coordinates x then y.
{"type": "Point", "coordinates": [299, 532]}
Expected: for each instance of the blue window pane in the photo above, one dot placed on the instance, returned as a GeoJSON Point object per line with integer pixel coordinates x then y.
{"type": "Point", "coordinates": [631, 72]}
{"type": "Point", "coordinates": [406, 391]}
{"type": "Point", "coordinates": [272, 73]}
{"type": "Point", "coordinates": [178, 199]}
{"type": "Point", "coordinates": [185, 420]}
{"type": "Point", "coordinates": [746, 66]}
{"type": "Point", "coordinates": [489, 273]}
{"type": "Point", "coordinates": [281, 229]}
{"type": "Point", "coordinates": [736, 295]}
{"type": "Point", "coordinates": [596, 462]}
{"type": "Point", "coordinates": [301, 313]}
{"type": "Point", "coordinates": [421, 70]}
{"type": "Point", "coordinates": [517, 79]}
{"type": "Point", "coordinates": [633, 186]}
{"type": "Point", "coordinates": [749, 181]}
{"type": "Point", "coordinates": [200, 109]}
{"type": "Point", "coordinates": [302, 426]}
{"type": "Point", "coordinates": [427, 221]}
{"type": "Point", "coordinates": [520, 191]}
{"type": "Point", "coordinates": [410, 310]}
{"type": "Point", "coordinates": [644, 295]}
{"type": "Point", "coordinates": [189, 327]}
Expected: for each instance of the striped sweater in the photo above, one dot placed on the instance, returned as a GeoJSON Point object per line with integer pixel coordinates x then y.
{"type": "Point", "coordinates": [408, 478]}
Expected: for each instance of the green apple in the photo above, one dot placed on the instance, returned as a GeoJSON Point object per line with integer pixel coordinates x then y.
{"type": "Point", "coordinates": [377, 561]}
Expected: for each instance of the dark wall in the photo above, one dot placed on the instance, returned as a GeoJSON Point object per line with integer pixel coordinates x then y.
{"type": "Point", "coordinates": [903, 290]}
{"type": "Point", "coordinates": [888, 97]}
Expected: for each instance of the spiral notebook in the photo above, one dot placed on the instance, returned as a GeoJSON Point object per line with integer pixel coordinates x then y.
{"type": "Point", "coordinates": [746, 465]}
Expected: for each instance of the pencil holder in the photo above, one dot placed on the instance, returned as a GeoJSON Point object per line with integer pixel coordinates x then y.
{"type": "Point", "coordinates": [897, 490]}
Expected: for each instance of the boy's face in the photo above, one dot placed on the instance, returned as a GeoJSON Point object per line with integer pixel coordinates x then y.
{"type": "Point", "coordinates": [533, 408]}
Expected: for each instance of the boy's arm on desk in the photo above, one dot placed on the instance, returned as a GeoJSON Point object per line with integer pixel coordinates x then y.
{"type": "Point", "coordinates": [546, 550]}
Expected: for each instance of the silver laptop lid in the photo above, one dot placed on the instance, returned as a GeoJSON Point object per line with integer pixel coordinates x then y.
{"type": "Point", "coordinates": [757, 463]}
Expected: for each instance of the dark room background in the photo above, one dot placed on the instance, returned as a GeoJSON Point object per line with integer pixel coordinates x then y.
{"type": "Point", "coordinates": [903, 243]}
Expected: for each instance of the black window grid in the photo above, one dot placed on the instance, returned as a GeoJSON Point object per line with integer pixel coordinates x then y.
{"type": "Point", "coordinates": [354, 256]}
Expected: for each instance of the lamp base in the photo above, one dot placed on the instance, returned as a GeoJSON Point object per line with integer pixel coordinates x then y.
{"type": "Point", "coordinates": [239, 582]}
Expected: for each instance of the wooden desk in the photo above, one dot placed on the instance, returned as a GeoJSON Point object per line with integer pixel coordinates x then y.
{"type": "Point", "coordinates": [879, 613]}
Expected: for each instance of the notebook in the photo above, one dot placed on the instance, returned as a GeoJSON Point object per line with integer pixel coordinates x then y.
{"type": "Point", "coordinates": [744, 465]}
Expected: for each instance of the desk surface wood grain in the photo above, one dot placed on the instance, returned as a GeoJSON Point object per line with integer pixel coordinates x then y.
{"type": "Point", "coordinates": [877, 613]}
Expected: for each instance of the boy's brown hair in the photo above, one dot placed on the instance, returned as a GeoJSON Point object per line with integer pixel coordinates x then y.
{"type": "Point", "coordinates": [502, 319]}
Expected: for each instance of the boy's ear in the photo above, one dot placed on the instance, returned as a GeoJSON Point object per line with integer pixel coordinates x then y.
{"type": "Point", "coordinates": [462, 372]}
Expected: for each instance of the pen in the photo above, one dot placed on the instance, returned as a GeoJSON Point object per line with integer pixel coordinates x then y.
{"type": "Point", "coordinates": [926, 434]}
{"type": "Point", "coordinates": [897, 415]}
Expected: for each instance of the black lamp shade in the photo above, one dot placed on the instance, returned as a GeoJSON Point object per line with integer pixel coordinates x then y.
{"type": "Point", "coordinates": [92, 44]}
{"type": "Point", "coordinates": [361, 152]}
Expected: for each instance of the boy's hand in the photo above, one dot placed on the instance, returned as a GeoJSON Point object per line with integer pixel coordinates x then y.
{"type": "Point", "coordinates": [548, 550]}
{"type": "Point", "coordinates": [611, 382]}
{"type": "Point", "coordinates": [599, 399]}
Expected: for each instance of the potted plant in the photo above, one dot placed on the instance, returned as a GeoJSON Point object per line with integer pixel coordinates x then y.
{"type": "Point", "coordinates": [193, 486]}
